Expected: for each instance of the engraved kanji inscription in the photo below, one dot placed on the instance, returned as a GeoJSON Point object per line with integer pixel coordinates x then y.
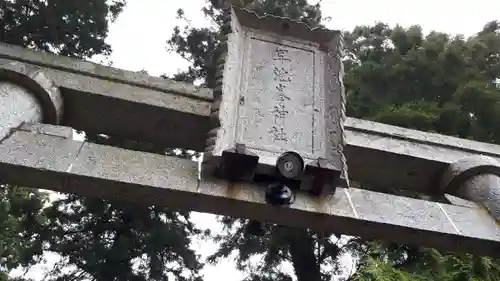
{"type": "Point", "coordinates": [281, 55]}
{"type": "Point", "coordinates": [279, 97]}
{"type": "Point", "coordinates": [281, 74]}
{"type": "Point", "coordinates": [280, 111]}
{"type": "Point", "coordinates": [281, 87]}
{"type": "Point", "coordinates": [278, 133]}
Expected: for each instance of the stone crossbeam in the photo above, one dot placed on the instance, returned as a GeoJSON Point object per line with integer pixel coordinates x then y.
{"type": "Point", "coordinates": [45, 156]}
{"type": "Point", "coordinates": [134, 105]}
{"type": "Point", "coordinates": [126, 104]}
{"type": "Point", "coordinates": [399, 158]}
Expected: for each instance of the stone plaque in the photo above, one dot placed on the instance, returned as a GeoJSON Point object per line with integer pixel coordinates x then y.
{"type": "Point", "coordinates": [278, 109]}
{"type": "Point", "coordinates": [280, 92]}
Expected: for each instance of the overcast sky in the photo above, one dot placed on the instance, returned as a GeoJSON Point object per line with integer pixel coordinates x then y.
{"type": "Point", "coordinates": [139, 36]}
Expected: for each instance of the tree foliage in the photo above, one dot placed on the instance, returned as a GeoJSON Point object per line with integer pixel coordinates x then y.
{"type": "Point", "coordinates": [20, 216]}
{"type": "Point", "coordinates": [70, 28]}
{"type": "Point", "coordinates": [434, 83]}
{"type": "Point", "coordinates": [104, 240]}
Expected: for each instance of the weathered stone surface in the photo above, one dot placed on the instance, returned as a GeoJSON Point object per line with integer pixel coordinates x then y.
{"type": "Point", "coordinates": [47, 129]}
{"type": "Point", "coordinates": [35, 86]}
{"type": "Point", "coordinates": [444, 141]}
{"type": "Point", "coordinates": [468, 167]}
{"type": "Point", "coordinates": [89, 69]}
{"type": "Point", "coordinates": [142, 170]}
{"type": "Point", "coordinates": [454, 200]}
{"type": "Point", "coordinates": [385, 208]}
{"type": "Point", "coordinates": [37, 160]}
{"type": "Point", "coordinates": [123, 110]}
{"type": "Point", "coordinates": [285, 27]}
{"type": "Point", "coordinates": [38, 84]}
{"type": "Point", "coordinates": [106, 100]}
{"type": "Point", "coordinates": [17, 105]}
{"type": "Point", "coordinates": [476, 178]}
{"type": "Point", "coordinates": [39, 151]}
{"type": "Point", "coordinates": [280, 93]}
{"type": "Point", "coordinates": [394, 157]}
{"type": "Point", "coordinates": [477, 224]}
{"type": "Point", "coordinates": [485, 190]}
{"type": "Point", "coordinates": [56, 163]}
{"type": "Point", "coordinates": [26, 96]}
{"type": "Point", "coordinates": [278, 110]}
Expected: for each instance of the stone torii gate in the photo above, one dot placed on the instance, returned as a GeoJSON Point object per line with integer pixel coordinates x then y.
{"type": "Point", "coordinates": [44, 97]}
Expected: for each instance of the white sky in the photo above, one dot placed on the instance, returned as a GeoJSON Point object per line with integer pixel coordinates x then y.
{"type": "Point", "coordinates": [139, 36]}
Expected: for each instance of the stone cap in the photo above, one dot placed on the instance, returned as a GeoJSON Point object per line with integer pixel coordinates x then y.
{"type": "Point", "coordinates": [286, 27]}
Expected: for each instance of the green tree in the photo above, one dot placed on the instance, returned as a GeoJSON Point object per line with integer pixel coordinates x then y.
{"type": "Point", "coordinates": [103, 240]}
{"type": "Point", "coordinates": [434, 83]}
{"type": "Point", "coordinates": [70, 28]}
{"type": "Point", "coordinates": [96, 239]}
{"type": "Point", "coordinates": [20, 214]}
{"type": "Point", "coordinates": [122, 241]}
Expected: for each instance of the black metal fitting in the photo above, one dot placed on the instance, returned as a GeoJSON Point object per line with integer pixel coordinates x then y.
{"type": "Point", "coordinates": [237, 164]}
{"type": "Point", "coordinates": [290, 165]}
{"type": "Point", "coordinates": [278, 194]}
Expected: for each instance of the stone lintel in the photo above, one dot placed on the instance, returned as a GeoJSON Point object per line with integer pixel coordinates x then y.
{"type": "Point", "coordinates": [123, 109]}
{"type": "Point", "coordinates": [38, 159]}
{"type": "Point", "coordinates": [134, 105]}
{"type": "Point", "coordinates": [90, 69]}
{"type": "Point", "coordinates": [394, 157]}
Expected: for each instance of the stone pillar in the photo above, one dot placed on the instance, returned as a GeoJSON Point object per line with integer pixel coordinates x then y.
{"type": "Point", "coordinates": [27, 95]}
{"type": "Point", "coordinates": [475, 178]}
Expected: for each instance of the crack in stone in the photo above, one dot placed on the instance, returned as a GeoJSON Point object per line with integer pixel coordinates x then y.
{"type": "Point", "coordinates": [12, 131]}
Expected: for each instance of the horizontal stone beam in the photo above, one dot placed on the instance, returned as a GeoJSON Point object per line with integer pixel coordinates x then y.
{"type": "Point", "coordinates": [126, 104]}
{"type": "Point", "coordinates": [137, 106]}
{"type": "Point", "coordinates": [44, 156]}
{"type": "Point", "coordinates": [398, 158]}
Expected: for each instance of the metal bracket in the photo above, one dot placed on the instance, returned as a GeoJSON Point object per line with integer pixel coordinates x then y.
{"type": "Point", "coordinates": [237, 164]}
{"type": "Point", "coordinates": [322, 176]}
